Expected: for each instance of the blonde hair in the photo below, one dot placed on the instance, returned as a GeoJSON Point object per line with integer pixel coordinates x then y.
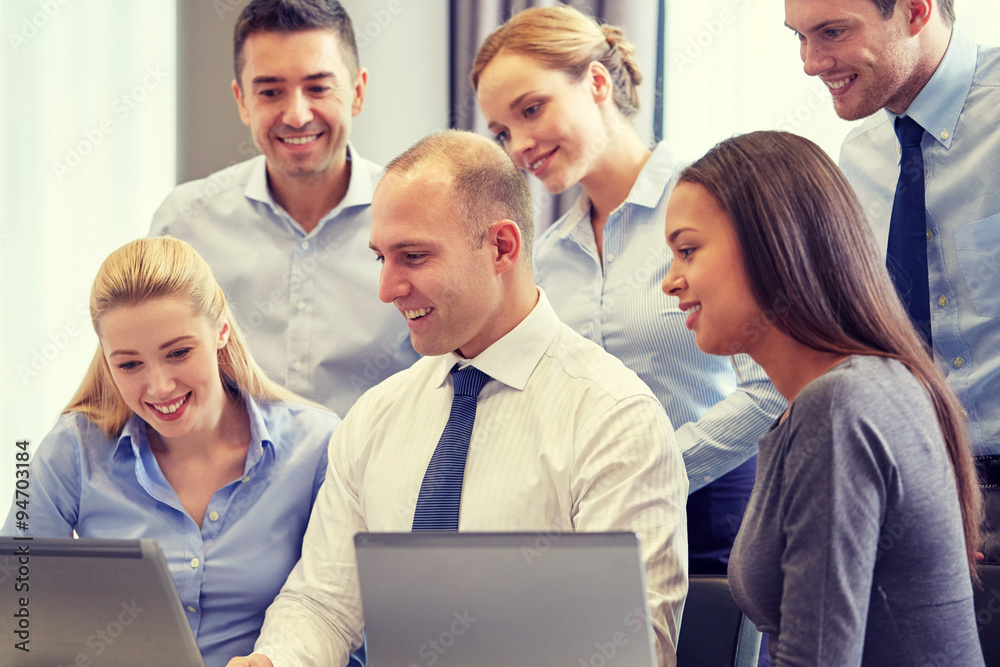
{"type": "Point", "coordinates": [563, 38]}
{"type": "Point", "coordinates": [162, 268]}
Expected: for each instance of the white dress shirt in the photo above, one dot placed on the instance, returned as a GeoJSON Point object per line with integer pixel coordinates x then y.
{"type": "Point", "coordinates": [566, 439]}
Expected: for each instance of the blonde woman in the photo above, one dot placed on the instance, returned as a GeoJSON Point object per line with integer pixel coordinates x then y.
{"type": "Point", "coordinates": [558, 91]}
{"type": "Point", "coordinates": [176, 434]}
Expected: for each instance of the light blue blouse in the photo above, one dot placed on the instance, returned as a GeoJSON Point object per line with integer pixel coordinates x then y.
{"type": "Point", "coordinates": [228, 571]}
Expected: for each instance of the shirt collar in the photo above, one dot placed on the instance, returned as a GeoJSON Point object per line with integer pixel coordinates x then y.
{"type": "Point", "coordinates": [939, 104]}
{"type": "Point", "coordinates": [512, 359]}
{"type": "Point", "coordinates": [360, 188]}
{"type": "Point", "coordinates": [133, 436]}
{"type": "Point", "coordinates": [647, 191]}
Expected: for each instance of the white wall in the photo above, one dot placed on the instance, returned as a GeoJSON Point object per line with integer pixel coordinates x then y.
{"type": "Point", "coordinates": [87, 129]}
{"type": "Point", "coordinates": [404, 46]}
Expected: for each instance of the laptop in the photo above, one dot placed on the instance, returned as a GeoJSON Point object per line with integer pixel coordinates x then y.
{"type": "Point", "coordinates": [492, 599]}
{"type": "Point", "coordinates": [90, 602]}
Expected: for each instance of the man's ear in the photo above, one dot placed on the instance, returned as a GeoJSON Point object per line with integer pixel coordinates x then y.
{"type": "Point", "coordinates": [241, 103]}
{"type": "Point", "coordinates": [360, 89]}
{"type": "Point", "coordinates": [505, 239]}
{"type": "Point", "coordinates": [918, 14]}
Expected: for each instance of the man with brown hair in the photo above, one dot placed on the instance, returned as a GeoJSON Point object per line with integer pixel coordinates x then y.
{"type": "Point", "coordinates": [926, 168]}
{"type": "Point", "coordinates": [286, 233]}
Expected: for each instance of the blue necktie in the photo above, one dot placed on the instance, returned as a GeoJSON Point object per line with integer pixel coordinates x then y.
{"type": "Point", "coordinates": [906, 255]}
{"type": "Point", "coordinates": [441, 490]}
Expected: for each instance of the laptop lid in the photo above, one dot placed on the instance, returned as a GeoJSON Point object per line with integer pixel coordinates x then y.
{"type": "Point", "coordinates": [485, 599]}
{"type": "Point", "coordinates": [90, 602]}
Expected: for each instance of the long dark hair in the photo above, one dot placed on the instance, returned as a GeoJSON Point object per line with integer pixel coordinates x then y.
{"type": "Point", "coordinates": [810, 254]}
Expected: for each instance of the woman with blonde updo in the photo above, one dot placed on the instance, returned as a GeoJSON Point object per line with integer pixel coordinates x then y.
{"type": "Point", "coordinates": [176, 434]}
{"type": "Point", "coordinates": [558, 90]}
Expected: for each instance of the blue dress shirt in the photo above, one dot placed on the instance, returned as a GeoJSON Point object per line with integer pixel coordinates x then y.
{"type": "Point", "coordinates": [228, 571]}
{"type": "Point", "coordinates": [307, 303]}
{"type": "Point", "coordinates": [720, 406]}
{"type": "Point", "coordinates": [960, 110]}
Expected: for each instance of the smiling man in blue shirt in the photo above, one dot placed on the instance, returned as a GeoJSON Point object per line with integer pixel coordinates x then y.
{"type": "Point", "coordinates": [883, 59]}
{"type": "Point", "coordinates": [286, 233]}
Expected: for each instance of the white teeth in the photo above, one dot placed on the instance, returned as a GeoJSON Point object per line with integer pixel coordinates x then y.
{"type": "Point", "coordinates": [836, 85]}
{"type": "Point", "coordinates": [298, 141]}
{"type": "Point", "coordinates": [414, 314]}
{"type": "Point", "coordinates": [693, 309]}
{"type": "Point", "coordinates": [170, 409]}
{"type": "Point", "coordinates": [537, 163]}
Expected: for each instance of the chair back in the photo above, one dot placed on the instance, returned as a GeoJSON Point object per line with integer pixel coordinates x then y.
{"type": "Point", "coordinates": [714, 631]}
{"type": "Point", "coordinates": [988, 612]}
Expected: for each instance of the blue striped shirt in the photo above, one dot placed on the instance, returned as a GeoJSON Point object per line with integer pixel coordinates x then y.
{"type": "Point", "coordinates": [307, 303]}
{"type": "Point", "coordinates": [960, 110]}
{"type": "Point", "coordinates": [720, 406]}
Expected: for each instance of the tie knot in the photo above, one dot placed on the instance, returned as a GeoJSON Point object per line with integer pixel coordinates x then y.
{"type": "Point", "coordinates": [469, 381]}
{"type": "Point", "coordinates": [908, 131]}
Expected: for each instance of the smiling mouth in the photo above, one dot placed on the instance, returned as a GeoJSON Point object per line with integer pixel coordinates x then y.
{"type": "Point", "coordinates": [693, 309]}
{"type": "Point", "coordinates": [298, 141]}
{"type": "Point", "coordinates": [837, 85]}
{"type": "Point", "coordinates": [537, 164]}
{"type": "Point", "coordinates": [417, 314]}
{"type": "Point", "coordinates": [171, 408]}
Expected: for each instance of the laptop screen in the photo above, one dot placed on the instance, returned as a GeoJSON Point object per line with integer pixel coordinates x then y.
{"type": "Point", "coordinates": [90, 602]}
{"type": "Point", "coordinates": [459, 599]}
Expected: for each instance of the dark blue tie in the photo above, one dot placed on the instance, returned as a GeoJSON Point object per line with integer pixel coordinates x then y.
{"type": "Point", "coordinates": [441, 490]}
{"type": "Point", "coordinates": [906, 254]}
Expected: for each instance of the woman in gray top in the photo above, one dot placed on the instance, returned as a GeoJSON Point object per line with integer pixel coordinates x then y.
{"type": "Point", "coordinates": [858, 545]}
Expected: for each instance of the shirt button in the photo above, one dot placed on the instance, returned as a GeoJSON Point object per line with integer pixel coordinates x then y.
{"type": "Point", "coordinates": [304, 245]}
{"type": "Point", "coordinates": [301, 305]}
{"type": "Point", "coordinates": [899, 149]}
{"type": "Point", "coordinates": [944, 134]}
{"type": "Point", "coordinates": [930, 235]}
{"type": "Point", "coordinates": [191, 609]}
{"type": "Point", "coordinates": [214, 516]}
{"type": "Point", "coordinates": [965, 413]}
{"type": "Point", "coordinates": [942, 301]}
{"type": "Point", "coordinates": [959, 362]}
{"type": "Point", "coordinates": [195, 562]}
{"type": "Point", "coordinates": [245, 479]}
{"type": "Point", "coordinates": [297, 366]}
{"type": "Point", "coordinates": [611, 258]}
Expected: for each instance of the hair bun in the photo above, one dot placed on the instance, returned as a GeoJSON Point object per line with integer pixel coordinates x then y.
{"type": "Point", "coordinates": [615, 37]}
